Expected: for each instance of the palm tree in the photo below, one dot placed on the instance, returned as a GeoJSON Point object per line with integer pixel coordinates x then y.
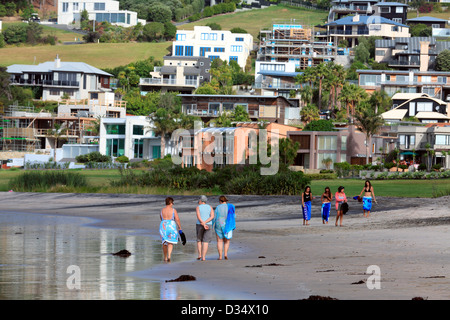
{"type": "Point", "coordinates": [309, 113]}
{"type": "Point", "coordinates": [57, 132]}
{"type": "Point", "coordinates": [369, 123]}
{"type": "Point", "coordinates": [321, 71]}
{"type": "Point", "coordinates": [352, 95]}
{"type": "Point", "coordinates": [381, 101]}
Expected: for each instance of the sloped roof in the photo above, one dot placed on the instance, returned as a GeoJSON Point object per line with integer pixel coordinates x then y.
{"type": "Point", "coordinates": [431, 115]}
{"type": "Point", "coordinates": [426, 19]}
{"type": "Point", "coordinates": [390, 4]}
{"type": "Point", "coordinates": [364, 20]}
{"type": "Point", "coordinates": [396, 114]}
{"type": "Point", "coordinates": [50, 66]}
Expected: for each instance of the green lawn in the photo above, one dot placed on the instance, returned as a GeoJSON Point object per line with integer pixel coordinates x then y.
{"type": "Point", "coordinates": [100, 55]}
{"type": "Point", "coordinates": [257, 19]}
{"type": "Point", "coordinates": [99, 181]}
{"type": "Point", "coordinates": [384, 188]}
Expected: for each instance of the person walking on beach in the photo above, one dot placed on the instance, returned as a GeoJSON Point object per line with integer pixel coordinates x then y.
{"type": "Point", "coordinates": [224, 223]}
{"type": "Point", "coordinates": [341, 198]}
{"type": "Point", "coordinates": [367, 199]}
{"type": "Point", "coordinates": [168, 228]}
{"type": "Point", "coordinates": [326, 205]}
{"type": "Point", "coordinates": [306, 205]}
{"type": "Point", "coordinates": [205, 216]}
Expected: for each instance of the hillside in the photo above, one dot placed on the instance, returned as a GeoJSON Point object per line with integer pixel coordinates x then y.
{"type": "Point", "coordinates": [110, 55]}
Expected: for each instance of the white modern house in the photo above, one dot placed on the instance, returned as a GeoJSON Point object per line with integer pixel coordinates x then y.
{"type": "Point", "coordinates": [75, 80]}
{"type": "Point", "coordinates": [129, 136]}
{"type": "Point", "coordinates": [221, 44]}
{"type": "Point", "coordinates": [69, 12]}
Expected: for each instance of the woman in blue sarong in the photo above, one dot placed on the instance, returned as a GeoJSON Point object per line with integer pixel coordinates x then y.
{"type": "Point", "coordinates": [168, 228]}
{"type": "Point", "coordinates": [224, 224]}
{"type": "Point", "coordinates": [367, 198]}
{"type": "Point", "coordinates": [326, 204]}
{"type": "Point", "coordinates": [306, 205]}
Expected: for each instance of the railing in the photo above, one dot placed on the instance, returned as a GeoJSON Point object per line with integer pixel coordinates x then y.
{"type": "Point", "coordinates": [215, 113]}
{"type": "Point", "coordinates": [61, 83]}
{"type": "Point", "coordinates": [403, 63]}
{"type": "Point", "coordinates": [349, 8]}
{"type": "Point", "coordinates": [349, 32]}
{"type": "Point", "coordinates": [158, 81]}
{"type": "Point", "coordinates": [92, 102]}
{"type": "Point", "coordinates": [265, 85]}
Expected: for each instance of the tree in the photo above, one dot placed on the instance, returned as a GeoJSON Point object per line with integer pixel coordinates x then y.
{"type": "Point", "coordinates": [309, 113]}
{"type": "Point", "coordinates": [164, 119]}
{"type": "Point", "coordinates": [420, 30]}
{"type": "Point", "coordinates": [153, 31]}
{"type": "Point", "coordinates": [369, 123]}
{"type": "Point", "coordinates": [381, 101]}
{"type": "Point", "coordinates": [5, 89]}
{"type": "Point", "coordinates": [320, 71]}
{"type": "Point", "coordinates": [288, 150]}
{"type": "Point", "coordinates": [443, 61]}
{"type": "Point", "coordinates": [159, 13]}
{"type": "Point", "coordinates": [352, 94]}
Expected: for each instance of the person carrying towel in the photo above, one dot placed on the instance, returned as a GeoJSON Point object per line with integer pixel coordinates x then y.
{"type": "Point", "coordinates": [168, 228]}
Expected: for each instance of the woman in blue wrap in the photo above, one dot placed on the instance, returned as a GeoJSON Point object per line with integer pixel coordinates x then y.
{"type": "Point", "coordinates": [306, 205]}
{"type": "Point", "coordinates": [224, 224]}
{"type": "Point", "coordinates": [326, 204]}
{"type": "Point", "coordinates": [168, 228]}
{"type": "Point", "coordinates": [367, 199]}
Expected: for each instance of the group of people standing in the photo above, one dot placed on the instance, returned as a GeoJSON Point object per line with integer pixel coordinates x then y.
{"type": "Point", "coordinates": [221, 220]}
{"type": "Point", "coordinates": [340, 202]}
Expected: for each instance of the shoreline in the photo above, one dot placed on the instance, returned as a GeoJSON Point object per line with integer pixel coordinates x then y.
{"type": "Point", "coordinates": [275, 257]}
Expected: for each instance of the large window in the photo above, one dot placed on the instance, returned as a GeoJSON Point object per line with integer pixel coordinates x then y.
{"type": "Point", "coordinates": [203, 50]}
{"type": "Point", "coordinates": [138, 130]}
{"type": "Point", "coordinates": [115, 129]}
{"type": "Point", "coordinates": [115, 147]}
{"type": "Point", "coordinates": [179, 50]}
{"type": "Point", "coordinates": [424, 106]}
{"type": "Point", "coordinates": [322, 156]}
{"type": "Point", "coordinates": [99, 6]}
{"type": "Point", "coordinates": [181, 37]}
{"type": "Point", "coordinates": [408, 141]}
{"type": "Point", "coordinates": [189, 51]}
{"type": "Point", "coordinates": [138, 148]}
{"type": "Point", "coordinates": [65, 7]}
{"type": "Point", "coordinates": [271, 67]}
{"type": "Point", "coordinates": [369, 79]}
{"type": "Point", "coordinates": [236, 48]}
{"type": "Point", "coordinates": [443, 139]}
{"type": "Point", "coordinates": [327, 142]}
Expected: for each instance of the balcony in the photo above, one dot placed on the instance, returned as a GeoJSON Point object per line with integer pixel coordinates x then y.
{"type": "Point", "coordinates": [403, 63]}
{"type": "Point", "coordinates": [61, 83]}
{"type": "Point", "coordinates": [349, 32]}
{"type": "Point", "coordinates": [272, 86]}
{"type": "Point", "coordinates": [349, 8]}
{"type": "Point", "coordinates": [167, 82]}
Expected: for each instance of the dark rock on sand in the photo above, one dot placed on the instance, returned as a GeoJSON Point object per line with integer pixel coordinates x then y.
{"type": "Point", "coordinates": [122, 253]}
{"type": "Point", "coordinates": [184, 277]}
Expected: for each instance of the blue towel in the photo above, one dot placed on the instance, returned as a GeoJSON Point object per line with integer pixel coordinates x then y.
{"type": "Point", "coordinates": [230, 224]}
{"type": "Point", "coordinates": [307, 211]}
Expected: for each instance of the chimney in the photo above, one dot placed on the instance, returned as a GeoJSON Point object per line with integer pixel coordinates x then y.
{"type": "Point", "coordinates": [424, 57]}
{"type": "Point", "coordinates": [356, 18]}
{"type": "Point", "coordinates": [57, 62]}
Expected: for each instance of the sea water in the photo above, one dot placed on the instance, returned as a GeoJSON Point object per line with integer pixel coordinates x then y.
{"type": "Point", "coordinates": [49, 257]}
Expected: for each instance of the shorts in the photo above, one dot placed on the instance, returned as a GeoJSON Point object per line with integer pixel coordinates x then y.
{"type": "Point", "coordinates": [203, 235]}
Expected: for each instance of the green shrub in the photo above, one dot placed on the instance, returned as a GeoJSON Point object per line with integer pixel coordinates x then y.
{"type": "Point", "coordinates": [93, 157]}
{"type": "Point", "coordinates": [43, 180]}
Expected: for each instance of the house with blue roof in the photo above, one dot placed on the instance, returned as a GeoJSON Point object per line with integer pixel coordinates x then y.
{"type": "Point", "coordinates": [55, 79]}
{"type": "Point", "coordinates": [350, 28]}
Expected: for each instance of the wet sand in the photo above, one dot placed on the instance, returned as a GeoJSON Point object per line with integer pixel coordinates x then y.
{"type": "Point", "coordinates": [273, 256]}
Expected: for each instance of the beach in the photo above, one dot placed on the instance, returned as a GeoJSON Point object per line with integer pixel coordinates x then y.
{"type": "Point", "coordinates": [272, 255]}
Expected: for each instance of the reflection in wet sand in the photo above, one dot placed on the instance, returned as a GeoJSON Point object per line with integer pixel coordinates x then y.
{"type": "Point", "coordinates": [37, 252]}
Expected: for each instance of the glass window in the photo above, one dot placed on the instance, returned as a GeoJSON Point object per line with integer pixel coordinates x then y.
{"type": "Point", "coordinates": [322, 156]}
{"type": "Point", "coordinates": [189, 51]}
{"type": "Point", "coordinates": [138, 148]}
{"type": "Point", "coordinates": [399, 10]}
{"type": "Point", "coordinates": [213, 36]}
{"type": "Point", "coordinates": [75, 6]}
{"type": "Point", "coordinates": [203, 50]}
{"type": "Point", "coordinates": [219, 49]}
{"type": "Point", "coordinates": [424, 106]}
{"type": "Point", "coordinates": [236, 48]}
{"type": "Point", "coordinates": [115, 129]}
{"type": "Point", "coordinates": [426, 79]}
{"type": "Point", "coordinates": [327, 142]}
{"type": "Point", "coordinates": [239, 39]}
{"type": "Point", "coordinates": [115, 147]}
{"type": "Point", "coordinates": [181, 36]}
{"type": "Point", "coordinates": [343, 143]}
{"type": "Point", "coordinates": [179, 50]}
{"type": "Point", "coordinates": [138, 130]}
{"type": "Point", "coordinates": [233, 58]}
{"type": "Point", "coordinates": [65, 7]}
{"type": "Point", "coordinates": [204, 36]}
{"type": "Point", "coordinates": [99, 6]}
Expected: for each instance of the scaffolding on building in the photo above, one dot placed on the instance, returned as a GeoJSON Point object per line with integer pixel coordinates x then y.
{"type": "Point", "coordinates": [17, 134]}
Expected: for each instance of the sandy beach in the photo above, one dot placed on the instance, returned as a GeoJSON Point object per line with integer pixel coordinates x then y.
{"type": "Point", "coordinates": [273, 256]}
